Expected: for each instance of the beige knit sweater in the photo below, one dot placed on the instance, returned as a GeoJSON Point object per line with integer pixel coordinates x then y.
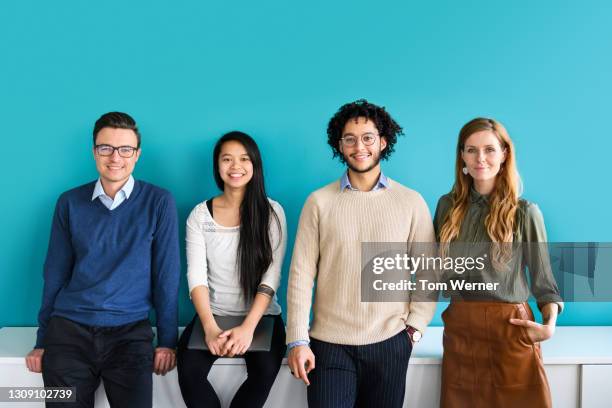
{"type": "Point", "coordinates": [332, 226]}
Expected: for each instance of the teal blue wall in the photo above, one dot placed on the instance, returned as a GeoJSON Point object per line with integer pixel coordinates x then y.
{"type": "Point", "coordinates": [190, 71]}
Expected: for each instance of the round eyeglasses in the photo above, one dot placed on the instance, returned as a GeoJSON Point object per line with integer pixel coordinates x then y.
{"type": "Point", "coordinates": [368, 139]}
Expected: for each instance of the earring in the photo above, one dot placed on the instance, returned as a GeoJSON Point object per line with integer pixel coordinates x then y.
{"type": "Point", "coordinates": [465, 170]}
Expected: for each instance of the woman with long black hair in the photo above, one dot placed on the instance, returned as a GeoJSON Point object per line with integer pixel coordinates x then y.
{"type": "Point", "coordinates": [235, 248]}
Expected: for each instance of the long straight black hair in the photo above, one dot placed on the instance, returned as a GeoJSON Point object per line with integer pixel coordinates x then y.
{"type": "Point", "coordinates": [254, 254]}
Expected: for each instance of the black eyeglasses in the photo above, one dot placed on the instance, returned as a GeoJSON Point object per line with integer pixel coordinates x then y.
{"type": "Point", "coordinates": [107, 150]}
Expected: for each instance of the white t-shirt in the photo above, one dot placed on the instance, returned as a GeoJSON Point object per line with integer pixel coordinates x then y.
{"type": "Point", "coordinates": [211, 260]}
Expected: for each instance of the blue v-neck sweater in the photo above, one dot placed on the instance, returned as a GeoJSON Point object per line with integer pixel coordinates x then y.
{"type": "Point", "coordinates": [109, 268]}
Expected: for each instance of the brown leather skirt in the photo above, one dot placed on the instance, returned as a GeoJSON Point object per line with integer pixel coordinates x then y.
{"type": "Point", "coordinates": [489, 362]}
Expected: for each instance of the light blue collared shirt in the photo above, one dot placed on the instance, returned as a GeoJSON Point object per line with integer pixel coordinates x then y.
{"type": "Point", "coordinates": [120, 197]}
{"type": "Point", "coordinates": [345, 183]}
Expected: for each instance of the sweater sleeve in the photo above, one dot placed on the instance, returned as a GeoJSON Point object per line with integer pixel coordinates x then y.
{"type": "Point", "coordinates": [278, 239]}
{"type": "Point", "coordinates": [165, 269]}
{"type": "Point", "coordinates": [422, 234]}
{"type": "Point", "coordinates": [58, 266]}
{"type": "Point", "coordinates": [197, 268]}
{"type": "Point", "coordinates": [543, 284]}
{"type": "Point", "coordinates": [303, 272]}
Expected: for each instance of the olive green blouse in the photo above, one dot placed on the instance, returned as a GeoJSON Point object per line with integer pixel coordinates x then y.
{"type": "Point", "coordinates": [529, 251]}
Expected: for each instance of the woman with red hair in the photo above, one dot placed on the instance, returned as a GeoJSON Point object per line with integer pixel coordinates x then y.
{"type": "Point", "coordinates": [492, 355]}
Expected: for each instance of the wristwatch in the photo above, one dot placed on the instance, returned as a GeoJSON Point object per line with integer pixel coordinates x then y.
{"type": "Point", "coordinates": [414, 334]}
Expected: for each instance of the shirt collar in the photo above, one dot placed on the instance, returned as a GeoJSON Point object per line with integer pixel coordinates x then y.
{"type": "Point", "coordinates": [127, 188]}
{"type": "Point", "coordinates": [476, 197]}
{"type": "Point", "coordinates": [383, 182]}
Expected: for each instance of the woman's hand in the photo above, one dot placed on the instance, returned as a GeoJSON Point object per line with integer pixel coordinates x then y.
{"type": "Point", "coordinates": [540, 332]}
{"type": "Point", "coordinates": [237, 339]}
{"type": "Point", "coordinates": [213, 341]}
{"type": "Point", "coordinates": [535, 331]}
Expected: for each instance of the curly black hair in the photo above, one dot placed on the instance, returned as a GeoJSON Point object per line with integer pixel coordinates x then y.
{"type": "Point", "coordinates": [361, 108]}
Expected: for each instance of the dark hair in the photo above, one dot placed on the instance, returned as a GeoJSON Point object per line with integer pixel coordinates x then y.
{"type": "Point", "coordinates": [361, 108]}
{"type": "Point", "coordinates": [254, 254]}
{"type": "Point", "coordinates": [116, 120]}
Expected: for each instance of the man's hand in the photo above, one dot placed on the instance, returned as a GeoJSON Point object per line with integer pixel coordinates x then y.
{"type": "Point", "coordinates": [164, 361]}
{"type": "Point", "coordinates": [301, 362]}
{"type": "Point", "coordinates": [34, 360]}
{"type": "Point", "coordinates": [238, 340]}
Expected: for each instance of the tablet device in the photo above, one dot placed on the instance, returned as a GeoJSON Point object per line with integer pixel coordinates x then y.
{"type": "Point", "coordinates": [262, 337]}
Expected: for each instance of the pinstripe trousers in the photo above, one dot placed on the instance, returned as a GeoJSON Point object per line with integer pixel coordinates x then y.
{"type": "Point", "coordinates": [371, 375]}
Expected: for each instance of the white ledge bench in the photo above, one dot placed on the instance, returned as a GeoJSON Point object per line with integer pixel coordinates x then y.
{"type": "Point", "coordinates": [578, 361]}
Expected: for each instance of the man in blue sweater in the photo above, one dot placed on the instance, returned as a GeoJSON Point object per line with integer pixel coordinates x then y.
{"type": "Point", "coordinates": [113, 255]}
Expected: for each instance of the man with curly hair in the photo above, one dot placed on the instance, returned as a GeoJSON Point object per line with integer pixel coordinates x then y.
{"type": "Point", "coordinates": [355, 353]}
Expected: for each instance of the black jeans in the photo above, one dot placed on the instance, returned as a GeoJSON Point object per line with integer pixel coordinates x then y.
{"type": "Point", "coordinates": [79, 356]}
{"type": "Point", "coordinates": [371, 375]}
{"type": "Point", "coordinates": [262, 367]}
